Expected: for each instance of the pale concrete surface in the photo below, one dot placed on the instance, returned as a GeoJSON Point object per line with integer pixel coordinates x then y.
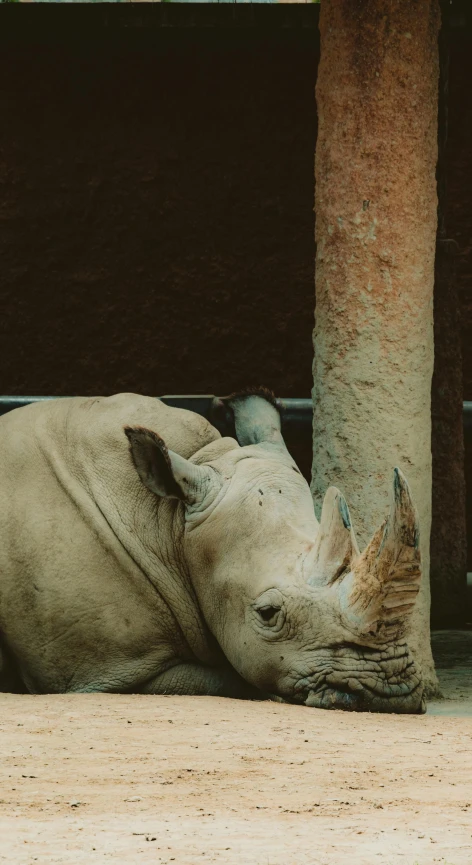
{"type": "Point", "coordinates": [134, 779]}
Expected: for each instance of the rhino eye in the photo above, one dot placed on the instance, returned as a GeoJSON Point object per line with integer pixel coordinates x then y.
{"type": "Point", "coordinates": [268, 614]}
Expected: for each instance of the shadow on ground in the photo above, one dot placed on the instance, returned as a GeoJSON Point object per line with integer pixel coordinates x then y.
{"type": "Point", "coordinates": [452, 652]}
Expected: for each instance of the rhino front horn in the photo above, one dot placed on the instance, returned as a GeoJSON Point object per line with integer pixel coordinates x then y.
{"type": "Point", "coordinates": [380, 592]}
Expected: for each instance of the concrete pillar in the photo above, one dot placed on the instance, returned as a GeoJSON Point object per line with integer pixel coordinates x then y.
{"type": "Point", "coordinates": [377, 96]}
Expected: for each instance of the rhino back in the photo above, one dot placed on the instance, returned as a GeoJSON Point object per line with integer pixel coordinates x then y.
{"type": "Point", "coordinates": [93, 594]}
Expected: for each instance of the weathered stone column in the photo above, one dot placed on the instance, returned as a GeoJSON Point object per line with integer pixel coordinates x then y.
{"type": "Point", "coordinates": [377, 96]}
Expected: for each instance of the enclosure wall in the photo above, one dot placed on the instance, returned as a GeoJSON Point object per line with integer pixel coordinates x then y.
{"type": "Point", "coordinates": [156, 200]}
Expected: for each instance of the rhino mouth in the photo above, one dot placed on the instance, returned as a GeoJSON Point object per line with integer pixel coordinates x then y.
{"type": "Point", "coordinates": [361, 701]}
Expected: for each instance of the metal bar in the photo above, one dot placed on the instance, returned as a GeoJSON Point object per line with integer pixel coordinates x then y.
{"type": "Point", "coordinates": [467, 416]}
{"type": "Point", "coordinates": [52, 19]}
{"type": "Point", "coordinates": [295, 412]}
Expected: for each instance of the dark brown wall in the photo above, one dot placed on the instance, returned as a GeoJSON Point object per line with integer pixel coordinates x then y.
{"type": "Point", "coordinates": [156, 204]}
{"type": "Point", "coordinates": [459, 199]}
{"type": "Point", "coordinates": [156, 209]}
{"type": "Point", "coordinates": [459, 215]}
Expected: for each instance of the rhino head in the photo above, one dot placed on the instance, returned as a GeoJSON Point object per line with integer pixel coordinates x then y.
{"type": "Point", "coordinates": [298, 611]}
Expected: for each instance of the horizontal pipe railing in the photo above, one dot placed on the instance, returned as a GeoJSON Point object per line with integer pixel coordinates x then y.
{"type": "Point", "coordinates": [295, 412]}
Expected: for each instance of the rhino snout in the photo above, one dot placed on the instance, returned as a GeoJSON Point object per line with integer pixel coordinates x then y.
{"type": "Point", "coordinates": [361, 679]}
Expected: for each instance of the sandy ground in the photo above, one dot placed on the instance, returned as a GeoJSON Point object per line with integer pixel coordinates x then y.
{"type": "Point", "coordinates": [132, 779]}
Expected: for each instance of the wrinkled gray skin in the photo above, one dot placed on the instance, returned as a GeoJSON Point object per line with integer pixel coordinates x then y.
{"type": "Point", "coordinates": [192, 567]}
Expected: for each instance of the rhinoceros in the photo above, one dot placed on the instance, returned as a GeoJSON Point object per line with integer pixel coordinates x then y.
{"type": "Point", "coordinates": [141, 551]}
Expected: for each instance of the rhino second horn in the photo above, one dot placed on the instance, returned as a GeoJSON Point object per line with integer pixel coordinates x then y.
{"type": "Point", "coordinates": [336, 548]}
{"type": "Point", "coordinates": [380, 592]}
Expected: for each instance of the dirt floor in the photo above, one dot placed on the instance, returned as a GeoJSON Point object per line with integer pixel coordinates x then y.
{"type": "Point", "coordinates": [132, 779]}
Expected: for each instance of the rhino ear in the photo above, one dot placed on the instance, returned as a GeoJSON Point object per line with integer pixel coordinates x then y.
{"type": "Point", "coordinates": [336, 547]}
{"type": "Point", "coordinates": [255, 415]}
{"type": "Point", "coordinates": [379, 594]}
{"type": "Point", "coordinates": [166, 473]}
